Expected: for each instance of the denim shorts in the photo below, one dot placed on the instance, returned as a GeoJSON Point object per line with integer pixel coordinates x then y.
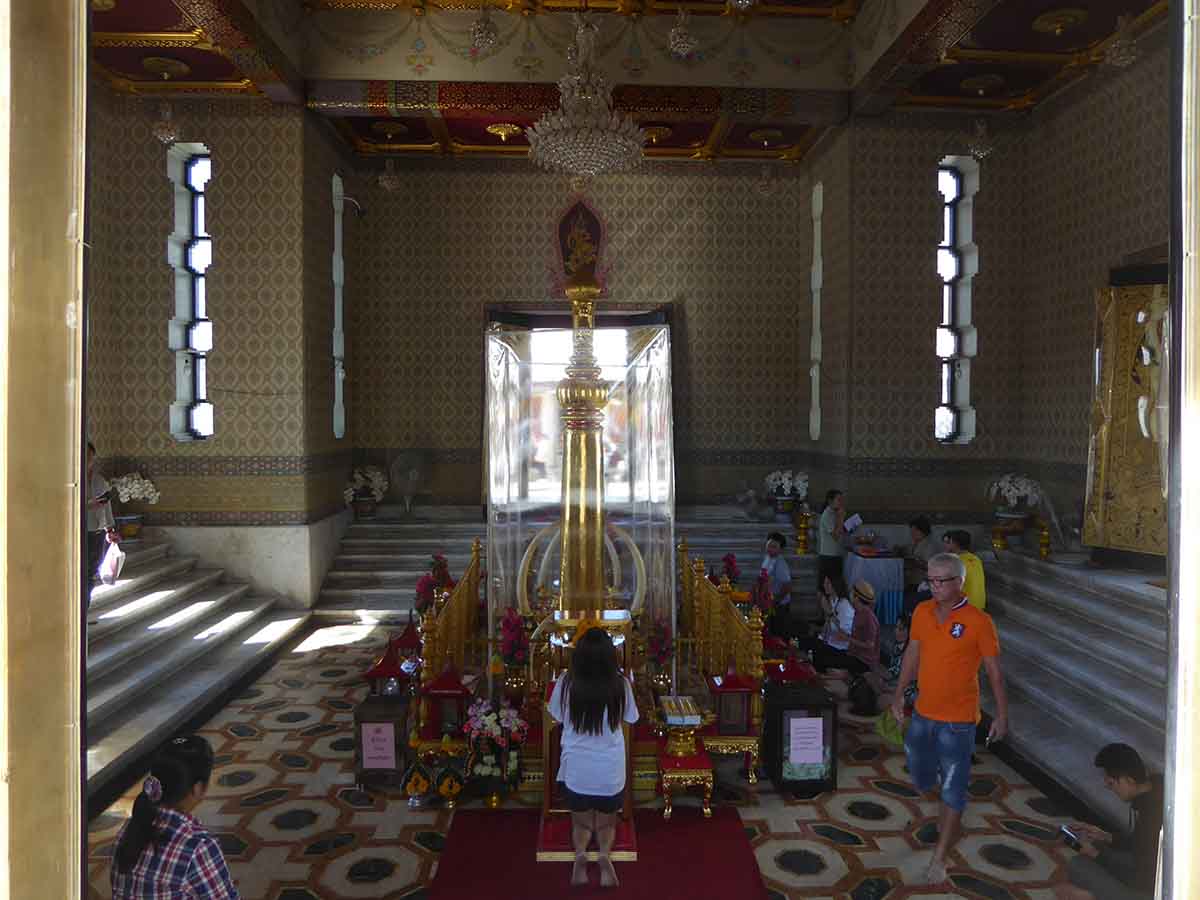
{"type": "Point", "coordinates": [940, 753]}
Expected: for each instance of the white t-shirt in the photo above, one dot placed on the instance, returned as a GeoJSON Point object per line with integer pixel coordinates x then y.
{"type": "Point", "coordinates": [843, 615]}
{"type": "Point", "coordinates": [592, 764]}
{"type": "Point", "coordinates": [780, 574]}
{"type": "Point", "coordinates": [827, 544]}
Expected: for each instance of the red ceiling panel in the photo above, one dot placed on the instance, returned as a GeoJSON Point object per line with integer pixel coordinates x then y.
{"type": "Point", "coordinates": [678, 136]}
{"type": "Point", "coordinates": [203, 65]}
{"type": "Point", "coordinates": [473, 130]}
{"type": "Point", "coordinates": [140, 15]}
{"type": "Point", "coordinates": [413, 130]}
{"type": "Point", "coordinates": [983, 81]}
{"type": "Point", "coordinates": [1011, 26]}
{"type": "Point", "coordinates": [750, 136]}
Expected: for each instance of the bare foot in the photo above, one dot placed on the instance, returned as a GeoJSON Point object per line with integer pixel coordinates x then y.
{"type": "Point", "coordinates": [579, 875]}
{"type": "Point", "coordinates": [608, 875]}
{"type": "Point", "coordinates": [935, 873]}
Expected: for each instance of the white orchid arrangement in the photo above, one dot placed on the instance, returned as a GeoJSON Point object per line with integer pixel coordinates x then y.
{"type": "Point", "coordinates": [491, 730]}
{"type": "Point", "coordinates": [787, 484]}
{"type": "Point", "coordinates": [135, 486]}
{"type": "Point", "coordinates": [1013, 488]}
{"type": "Point", "coordinates": [366, 481]}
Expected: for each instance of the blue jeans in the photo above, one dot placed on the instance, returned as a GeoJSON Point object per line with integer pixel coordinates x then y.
{"type": "Point", "coordinates": [940, 753]}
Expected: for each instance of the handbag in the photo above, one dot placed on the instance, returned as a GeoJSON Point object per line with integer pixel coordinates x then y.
{"type": "Point", "coordinates": [114, 561]}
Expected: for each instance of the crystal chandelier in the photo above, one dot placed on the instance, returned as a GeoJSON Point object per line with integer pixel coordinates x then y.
{"type": "Point", "coordinates": [164, 129]}
{"type": "Point", "coordinates": [979, 143]}
{"type": "Point", "coordinates": [585, 136]}
{"type": "Point", "coordinates": [388, 179]}
{"type": "Point", "coordinates": [484, 33]}
{"type": "Point", "coordinates": [1121, 51]}
{"type": "Point", "coordinates": [742, 6]}
{"type": "Point", "coordinates": [682, 43]}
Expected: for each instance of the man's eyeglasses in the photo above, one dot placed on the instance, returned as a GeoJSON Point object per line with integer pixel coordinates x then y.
{"type": "Point", "coordinates": [935, 579]}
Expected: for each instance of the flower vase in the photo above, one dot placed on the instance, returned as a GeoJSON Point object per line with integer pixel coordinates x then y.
{"type": "Point", "coordinates": [129, 527]}
{"type": "Point", "coordinates": [364, 507]}
{"type": "Point", "coordinates": [515, 683]}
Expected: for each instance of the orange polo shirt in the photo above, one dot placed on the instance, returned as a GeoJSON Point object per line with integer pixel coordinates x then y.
{"type": "Point", "coordinates": [951, 654]}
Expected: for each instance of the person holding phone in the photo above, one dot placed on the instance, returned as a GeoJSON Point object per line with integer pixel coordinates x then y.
{"type": "Point", "coordinates": [1110, 866]}
{"type": "Point", "coordinates": [101, 528]}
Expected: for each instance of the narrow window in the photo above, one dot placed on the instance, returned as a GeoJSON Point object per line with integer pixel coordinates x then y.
{"type": "Point", "coordinates": [957, 262]}
{"type": "Point", "coordinates": [190, 253]}
{"type": "Point", "coordinates": [339, 335]}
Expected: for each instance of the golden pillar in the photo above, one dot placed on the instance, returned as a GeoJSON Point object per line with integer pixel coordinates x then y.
{"type": "Point", "coordinates": [582, 397]}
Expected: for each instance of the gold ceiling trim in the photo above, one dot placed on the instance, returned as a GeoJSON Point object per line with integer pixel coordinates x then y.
{"type": "Point", "coordinates": [193, 39]}
{"type": "Point", "coordinates": [1007, 57]}
{"type": "Point", "coordinates": [842, 12]}
{"type": "Point", "coordinates": [120, 83]}
{"type": "Point", "coordinates": [487, 149]}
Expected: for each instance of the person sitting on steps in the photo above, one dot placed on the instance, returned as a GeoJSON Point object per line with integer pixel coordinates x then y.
{"type": "Point", "coordinates": [592, 700]}
{"type": "Point", "coordinates": [1119, 866]}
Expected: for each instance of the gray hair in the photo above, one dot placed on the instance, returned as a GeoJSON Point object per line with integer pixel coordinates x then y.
{"type": "Point", "coordinates": [949, 561]}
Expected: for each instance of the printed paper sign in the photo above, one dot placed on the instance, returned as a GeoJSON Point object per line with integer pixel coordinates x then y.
{"type": "Point", "coordinates": [378, 745]}
{"type": "Point", "coordinates": [806, 745]}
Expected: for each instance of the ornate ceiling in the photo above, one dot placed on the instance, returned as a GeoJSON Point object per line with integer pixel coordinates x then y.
{"type": "Point", "coordinates": [766, 77]}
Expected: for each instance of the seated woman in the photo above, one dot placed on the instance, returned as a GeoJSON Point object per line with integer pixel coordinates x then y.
{"type": "Point", "coordinates": [591, 701]}
{"type": "Point", "coordinates": [163, 851]}
{"type": "Point", "coordinates": [839, 619]}
{"type": "Point", "coordinates": [861, 653]}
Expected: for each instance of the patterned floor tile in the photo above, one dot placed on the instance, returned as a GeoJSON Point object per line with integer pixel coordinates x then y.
{"type": "Point", "coordinates": [283, 804]}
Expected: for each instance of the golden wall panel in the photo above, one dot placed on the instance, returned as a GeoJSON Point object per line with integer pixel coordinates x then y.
{"type": "Point", "coordinates": [280, 493]}
{"type": "Point", "coordinates": [1124, 509]}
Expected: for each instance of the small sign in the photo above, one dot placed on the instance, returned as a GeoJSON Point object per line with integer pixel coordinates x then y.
{"type": "Point", "coordinates": [378, 745]}
{"type": "Point", "coordinates": [806, 745]}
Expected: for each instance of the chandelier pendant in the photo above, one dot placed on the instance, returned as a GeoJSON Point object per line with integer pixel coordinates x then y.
{"type": "Point", "coordinates": [585, 136]}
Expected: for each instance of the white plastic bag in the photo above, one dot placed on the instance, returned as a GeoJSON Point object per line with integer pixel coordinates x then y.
{"type": "Point", "coordinates": [114, 561]}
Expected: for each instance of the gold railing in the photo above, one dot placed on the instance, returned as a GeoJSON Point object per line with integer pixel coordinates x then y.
{"type": "Point", "coordinates": [450, 629]}
{"type": "Point", "coordinates": [711, 626]}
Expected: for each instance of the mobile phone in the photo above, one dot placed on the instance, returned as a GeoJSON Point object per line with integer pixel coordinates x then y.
{"type": "Point", "coordinates": [1070, 838]}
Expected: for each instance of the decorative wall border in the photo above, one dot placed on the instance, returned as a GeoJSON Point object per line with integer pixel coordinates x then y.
{"type": "Point", "coordinates": [243, 518]}
{"type": "Point", "coordinates": [225, 466]}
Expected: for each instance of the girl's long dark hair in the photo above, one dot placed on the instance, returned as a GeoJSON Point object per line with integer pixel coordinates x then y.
{"type": "Point", "coordinates": [178, 767]}
{"type": "Point", "coordinates": [594, 684]}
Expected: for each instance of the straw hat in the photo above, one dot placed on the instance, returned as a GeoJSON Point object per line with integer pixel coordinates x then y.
{"type": "Point", "coordinates": [865, 591]}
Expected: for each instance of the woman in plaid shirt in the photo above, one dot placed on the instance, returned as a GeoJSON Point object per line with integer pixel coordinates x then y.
{"type": "Point", "coordinates": [164, 853]}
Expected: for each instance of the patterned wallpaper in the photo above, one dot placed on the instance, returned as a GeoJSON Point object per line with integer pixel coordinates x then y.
{"type": "Point", "coordinates": [268, 296]}
{"type": "Point", "coordinates": [1065, 196]}
{"type": "Point", "coordinates": [730, 252]}
{"type": "Point", "coordinates": [1098, 180]}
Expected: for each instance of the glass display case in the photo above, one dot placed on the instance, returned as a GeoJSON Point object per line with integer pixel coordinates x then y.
{"type": "Point", "coordinates": [524, 468]}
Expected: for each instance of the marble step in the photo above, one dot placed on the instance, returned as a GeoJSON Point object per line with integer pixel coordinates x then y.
{"type": "Point", "coordinates": [112, 692]}
{"type": "Point", "coordinates": [104, 596]}
{"type": "Point", "coordinates": [139, 553]}
{"type": "Point", "coordinates": [391, 598]}
{"type": "Point", "coordinates": [1088, 722]}
{"type": "Point", "coordinates": [459, 531]}
{"type": "Point", "coordinates": [1114, 648]}
{"type": "Point", "coordinates": [394, 579]}
{"type": "Point", "coordinates": [137, 730]}
{"type": "Point", "coordinates": [121, 649]}
{"type": "Point", "coordinates": [348, 613]}
{"type": "Point", "coordinates": [1145, 623]}
{"type": "Point", "coordinates": [1061, 663]}
{"type": "Point", "coordinates": [158, 598]}
{"type": "Point", "coordinates": [405, 562]}
{"type": "Point", "coordinates": [435, 514]}
{"type": "Point", "coordinates": [1063, 755]}
{"type": "Point", "coordinates": [1133, 589]}
{"type": "Point", "coordinates": [421, 546]}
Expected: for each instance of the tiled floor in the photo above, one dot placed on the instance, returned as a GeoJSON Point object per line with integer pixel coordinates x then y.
{"type": "Point", "coordinates": [294, 828]}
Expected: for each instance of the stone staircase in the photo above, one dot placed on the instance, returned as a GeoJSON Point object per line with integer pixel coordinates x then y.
{"type": "Point", "coordinates": [376, 571]}
{"type": "Point", "coordinates": [1084, 653]}
{"type": "Point", "coordinates": [169, 637]}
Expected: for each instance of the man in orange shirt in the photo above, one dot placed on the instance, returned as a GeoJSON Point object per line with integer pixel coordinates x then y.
{"type": "Point", "coordinates": [948, 640]}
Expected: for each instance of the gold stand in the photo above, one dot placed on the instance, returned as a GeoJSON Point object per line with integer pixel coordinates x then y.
{"type": "Point", "coordinates": [802, 522]}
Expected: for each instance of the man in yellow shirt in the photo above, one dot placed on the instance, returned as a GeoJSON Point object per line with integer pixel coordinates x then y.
{"type": "Point", "coordinates": [958, 542]}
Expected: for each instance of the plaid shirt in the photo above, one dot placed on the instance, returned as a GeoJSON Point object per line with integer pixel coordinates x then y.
{"type": "Point", "coordinates": [186, 864]}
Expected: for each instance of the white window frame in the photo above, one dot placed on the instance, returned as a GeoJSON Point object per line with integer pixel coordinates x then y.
{"type": "Point", "coordinates": [339, 334]}
{"type": "Point", "coordinates": [956, 340]}
{"type": "Point", "coordinates": [190, 331]}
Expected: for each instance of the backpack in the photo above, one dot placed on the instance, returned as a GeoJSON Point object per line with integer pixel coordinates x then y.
{"type": "Point", "coordinates": [863, 701]}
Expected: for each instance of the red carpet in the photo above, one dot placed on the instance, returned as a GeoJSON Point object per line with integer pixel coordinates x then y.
{"type": "Point", "coordinates": [491, 854]}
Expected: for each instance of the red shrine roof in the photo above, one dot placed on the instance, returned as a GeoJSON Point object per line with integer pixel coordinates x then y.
{"type": "Point", "coordinates": [389, 665]}
{"type": "Point", "coordinates": [408, 641]}
{"type": "Point", "coordinates": [448, 684]}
